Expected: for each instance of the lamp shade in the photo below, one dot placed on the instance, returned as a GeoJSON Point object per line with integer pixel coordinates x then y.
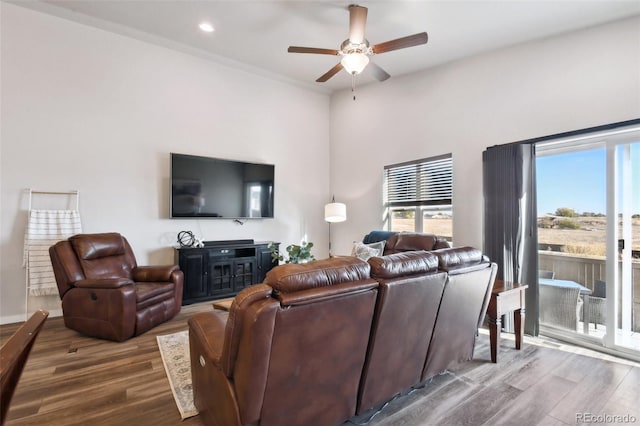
{"type": "Point", "coordinates": [335, 212]}
{"type": "Point", "coordinates": [354, 63]}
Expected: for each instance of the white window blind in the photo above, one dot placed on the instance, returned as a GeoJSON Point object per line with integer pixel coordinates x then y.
{"type": "Point", "coordinates": [425, 182]}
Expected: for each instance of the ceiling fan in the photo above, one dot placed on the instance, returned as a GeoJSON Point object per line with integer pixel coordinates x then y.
{"type": "Point", "coordinates": [355, 50]}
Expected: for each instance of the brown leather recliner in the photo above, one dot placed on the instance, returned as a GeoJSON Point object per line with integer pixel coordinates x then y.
{"type": "Point", "coordinates": [104, 292]}
{"type": "Point", "coordinates": [292, 349]}
{"type": "Point", "coordinates": [410, 291]}
{"type": "Point", "coordinates": [464, 303]}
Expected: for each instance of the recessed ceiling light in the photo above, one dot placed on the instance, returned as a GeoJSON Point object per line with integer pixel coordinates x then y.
{"type": "Point", "coordinates": [206, 27]}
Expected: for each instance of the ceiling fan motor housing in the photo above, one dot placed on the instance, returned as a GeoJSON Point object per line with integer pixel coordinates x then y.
{"type": "Point", "coordinates": [348, 47]}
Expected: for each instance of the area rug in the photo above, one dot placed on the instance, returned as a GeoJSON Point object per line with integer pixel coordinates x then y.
{"type": "Point", "coordinates": [174, 349]}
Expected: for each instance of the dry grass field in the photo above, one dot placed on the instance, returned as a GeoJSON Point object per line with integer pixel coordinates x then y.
{"type": "Point", "coordinates": [589, 239]}
{"type": "Point", "coordinates": [441, 227]}
{"type": "Point", "coordinates": [437, 226]}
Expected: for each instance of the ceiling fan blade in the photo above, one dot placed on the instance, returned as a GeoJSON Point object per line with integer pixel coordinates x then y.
{"type": "Point", "coordinates": [378, 73]}
{"type": "Point", "coordinates": [357, 22]}
{"type": "Point", "coordinates": [401, 43]}
{"type": "Point", "coordinates": [333, 71]}
{"type": "Point", "coordinates": [298, 49]}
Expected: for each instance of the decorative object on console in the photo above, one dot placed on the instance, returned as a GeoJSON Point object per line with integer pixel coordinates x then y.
{"type": "Point", "coordinates": [187, 239]}
{"type": "Point", "coordinates": [296, 253]}
{"type": "Point", "coordinates": [334, 212]}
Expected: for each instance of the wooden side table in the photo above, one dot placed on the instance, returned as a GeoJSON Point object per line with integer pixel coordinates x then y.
{"type": "Point", "coordinates": [505, 297]}
{"type": "Point", "coordinates": [223, 304]}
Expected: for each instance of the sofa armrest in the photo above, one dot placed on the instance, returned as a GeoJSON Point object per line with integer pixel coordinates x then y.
{"type": "Point", "coordinates": [213, 392]}
{"type": "Point", "coordinates": [153, 273]}
{"type": "Point", "coordinates": [208, 328]}
{"type": "Point", "coordinates": [103, 312]}
{"type": "Point", "coordinates": [103, 283]}
{"type": "Point", "coordinates": [241, 302]}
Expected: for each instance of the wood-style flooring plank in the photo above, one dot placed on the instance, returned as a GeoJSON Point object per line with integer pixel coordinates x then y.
{"type": "Point", "coordinates": [624, 400]}
{"type": "Point", "coordinates": [550, 421]}
{"type": "Point", "coordinates": [440, 396]}
{"type": "Point", "coordinates": [534, 403]}
{"type": "Point", "coordinates": [535, 368]}
{"type": "Point", "coordinates": [484, 404]}
{"type": "Point", "coordinates": [593, 391]}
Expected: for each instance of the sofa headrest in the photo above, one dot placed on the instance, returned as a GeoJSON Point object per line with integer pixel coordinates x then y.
{"type": "Point", "coordinates": [95, 246]}
{"type": "Point", "coordinates": [319, 273]}
{"type": "Point", "coordinates": [458, 257]}
{"type": "Point", "coordinates": [403, 264]}
{"type": "Point", "coordinates": [411, 241]}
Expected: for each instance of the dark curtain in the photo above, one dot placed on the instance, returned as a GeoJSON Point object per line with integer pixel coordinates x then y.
{"type": "Point", "coordinates": [510, 219]}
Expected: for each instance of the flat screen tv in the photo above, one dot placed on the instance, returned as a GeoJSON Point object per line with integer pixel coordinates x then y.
{"type": "Point", "coordinates": [216, 188]}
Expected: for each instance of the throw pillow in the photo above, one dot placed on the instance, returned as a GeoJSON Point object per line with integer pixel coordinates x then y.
{"type": "Point", "coordinates": [365, 251]}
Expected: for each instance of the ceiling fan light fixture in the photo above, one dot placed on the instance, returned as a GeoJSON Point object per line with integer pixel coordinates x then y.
{"type": "Point", "coordinates": [206, 27]}
{"type": "Point", "coordinates": [354, 62]}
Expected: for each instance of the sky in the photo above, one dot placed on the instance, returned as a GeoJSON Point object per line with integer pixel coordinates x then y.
{"type": "Point", "coordinates": [577, 180]}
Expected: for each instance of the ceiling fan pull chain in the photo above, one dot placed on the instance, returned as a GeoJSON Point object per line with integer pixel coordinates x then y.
{"type": "Point", "coordinates": [353, 85]}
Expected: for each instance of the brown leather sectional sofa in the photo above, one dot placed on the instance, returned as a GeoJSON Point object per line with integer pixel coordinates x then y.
{"type": "Point", "coordinates": [318, 343]}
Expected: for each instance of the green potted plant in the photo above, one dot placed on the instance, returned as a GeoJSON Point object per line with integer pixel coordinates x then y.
{"type": "Point", "coordinates": [296, 253]}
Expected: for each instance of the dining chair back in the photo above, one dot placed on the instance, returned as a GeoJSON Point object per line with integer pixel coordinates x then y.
{"type": "Point", "coordinates": [560, 306]}
{"type": "Point", "coordinates": [598, 303]}
{"type": "Point", "coordinates": [546, 274]}
{"type": "Point", "coordinates": [13, 357]}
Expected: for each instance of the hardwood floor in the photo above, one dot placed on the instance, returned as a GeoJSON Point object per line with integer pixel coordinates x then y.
{"type": "Point", "coordinates": [70, 379]}
{"type": "Point", "coordinates": [75, 380]}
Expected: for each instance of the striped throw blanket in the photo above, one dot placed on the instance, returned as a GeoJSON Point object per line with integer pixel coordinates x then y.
{"type": "Point", "coordinates": [45, 228]}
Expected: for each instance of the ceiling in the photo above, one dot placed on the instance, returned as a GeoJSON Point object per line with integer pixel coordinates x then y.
{"type": "Point", "coordinates": [254, 35]}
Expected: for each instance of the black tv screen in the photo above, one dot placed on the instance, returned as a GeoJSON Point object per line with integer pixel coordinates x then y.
{"type": "Point", "coordinates": [217, 188]}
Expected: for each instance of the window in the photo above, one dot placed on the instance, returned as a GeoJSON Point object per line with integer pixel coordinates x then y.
{"type": "Point", "coordinates": [417, 196]}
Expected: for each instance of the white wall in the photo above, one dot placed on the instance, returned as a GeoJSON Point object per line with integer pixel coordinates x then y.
{"type": "Point", "coordinates": [582, 79]}
{"type": "Point", "coordinates": [90, 110]}
{"type": "Point", "coordinates": [86, 109]}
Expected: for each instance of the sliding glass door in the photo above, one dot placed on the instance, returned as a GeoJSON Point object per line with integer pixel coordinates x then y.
{"type": "Point", "coordinates": [589, 243]}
